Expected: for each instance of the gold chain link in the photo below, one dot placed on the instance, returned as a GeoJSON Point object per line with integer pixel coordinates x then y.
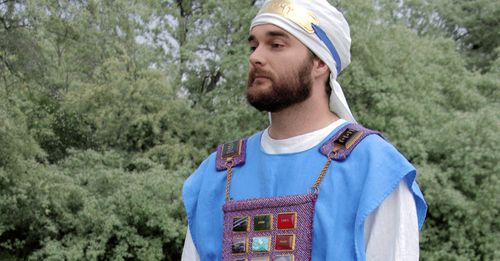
{"type": "Point", "coordinates": [323, 172]}
{"type": "Point", "coordinates": [230, 163]}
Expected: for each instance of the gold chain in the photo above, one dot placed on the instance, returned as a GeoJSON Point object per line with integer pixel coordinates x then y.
{"type": "Point", "coordinates": [323, 171]}
{"type": "Point", "coordinates": [229, 165]}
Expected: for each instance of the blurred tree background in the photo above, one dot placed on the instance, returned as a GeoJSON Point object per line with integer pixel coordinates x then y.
{"type": "Point", "coordinates": [107, 106]}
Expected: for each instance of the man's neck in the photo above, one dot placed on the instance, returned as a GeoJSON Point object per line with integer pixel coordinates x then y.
{"type": "Point", "coordinates": [300, 119]}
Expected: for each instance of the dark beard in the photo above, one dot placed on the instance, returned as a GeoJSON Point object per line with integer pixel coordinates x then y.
{"type": "Point", "coordinates": [292, 88]}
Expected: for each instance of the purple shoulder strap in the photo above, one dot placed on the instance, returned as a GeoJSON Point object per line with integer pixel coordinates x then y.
{"type": "Point", "coordinates": [231, 153]}
{"type": "Point", "coordinates": [345, 140]}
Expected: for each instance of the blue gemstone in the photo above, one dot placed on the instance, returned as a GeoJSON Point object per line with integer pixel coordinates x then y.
{"type": "Point", "coordinates": [261, 244]}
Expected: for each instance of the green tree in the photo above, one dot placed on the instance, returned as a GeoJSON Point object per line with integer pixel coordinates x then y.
{"type": "Point", "coordinates": [472, 24]}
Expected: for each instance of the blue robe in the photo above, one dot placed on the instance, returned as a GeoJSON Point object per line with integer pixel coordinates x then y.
{"type": "Point", "coordinates": [350, 191]}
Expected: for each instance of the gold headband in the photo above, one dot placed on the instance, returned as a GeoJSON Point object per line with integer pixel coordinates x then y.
{"type": "Point", "coordinates": [287, 9]}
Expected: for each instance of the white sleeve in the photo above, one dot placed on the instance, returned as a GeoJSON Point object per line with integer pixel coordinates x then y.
{"type": "Point", "coordinates": [189, 253]}
{"type": "Point", "coordinates": [391, 231]}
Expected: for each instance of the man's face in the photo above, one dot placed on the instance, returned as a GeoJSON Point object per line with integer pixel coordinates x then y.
{"type": "Point", "coordinates": [280, 69]}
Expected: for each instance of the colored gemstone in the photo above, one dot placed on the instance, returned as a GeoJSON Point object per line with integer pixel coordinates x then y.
{"type": "Point", "coordinates": [231, 149]}
{"type": "Point", "coordinates": [284, 258]}
{"type": "Point", "coordinates": [262, 222]}
{"type": "Point", "coordinates": [285, 242]}
{"type": "Point", "coordinates": [260, 258]}
{"type": "Point", "coordinates": [239, 246]}
{"type": "Point", "coordinates": [240, 224]}
{"type": "Point", "coordinates": [287, 220]}
{"type": "Point", "coordinates": [348, 137]}
{"type": "Point", "coordinates": [261, 244]}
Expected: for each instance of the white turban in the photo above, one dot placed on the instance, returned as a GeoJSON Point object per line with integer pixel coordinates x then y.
{"type": "Point", "coordinates": [320, 27]}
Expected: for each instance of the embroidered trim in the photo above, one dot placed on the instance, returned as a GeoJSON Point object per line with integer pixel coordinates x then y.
{"type": "Point", "coordinates": [345, 140]}
{"type": "Point", "coordinates": [231, 153]}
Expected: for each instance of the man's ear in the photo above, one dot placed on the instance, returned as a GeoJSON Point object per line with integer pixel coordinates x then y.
{"type": "Point", "coordinates": [320, 69]}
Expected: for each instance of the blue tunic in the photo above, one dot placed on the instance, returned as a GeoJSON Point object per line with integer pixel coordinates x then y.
{"type": "Point", "coordinates": [350, 191]}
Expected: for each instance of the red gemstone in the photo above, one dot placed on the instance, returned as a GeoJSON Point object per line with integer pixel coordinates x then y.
{"type": "Point", "coordinates": [285, 242]}
{"type": "Point", "coordinates": [286, 220]}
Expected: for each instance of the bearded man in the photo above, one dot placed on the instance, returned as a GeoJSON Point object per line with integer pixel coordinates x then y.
{"type": "Point", "coordinates": [314, 185]}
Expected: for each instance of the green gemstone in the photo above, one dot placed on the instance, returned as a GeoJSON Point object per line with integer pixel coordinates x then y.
{"type": "Point", "coordinates": [262, 222]}
{"type": "Point", "coordinates": [261, 244]}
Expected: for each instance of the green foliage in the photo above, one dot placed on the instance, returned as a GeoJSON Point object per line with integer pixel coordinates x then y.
{"type": "Point", "coordinates": [475, 26]}
{"type": "Point", "coordinates": [16, 142]}
{"type": "Point", "coordinates": [464, 189]}
{"type": "Point", "coordinates": [107, 106]}
{"type": "Point", "coordinates": [91, 208]}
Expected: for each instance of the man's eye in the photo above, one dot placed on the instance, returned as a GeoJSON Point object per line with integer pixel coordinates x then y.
{"type": "Point", "coordinates": [252, 49]}
{"type": "Point", "coordinates": [275, 45]}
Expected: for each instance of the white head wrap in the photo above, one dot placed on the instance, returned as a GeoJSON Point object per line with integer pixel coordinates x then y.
{"type": "Point", "coordinates": [320, 27]}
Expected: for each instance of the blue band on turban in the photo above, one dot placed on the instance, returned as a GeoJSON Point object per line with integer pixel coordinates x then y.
{"type": "Point", "coordinates": [324, 38]}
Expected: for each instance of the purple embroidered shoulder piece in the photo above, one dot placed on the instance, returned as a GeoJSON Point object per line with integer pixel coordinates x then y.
{"type": "Point", "coordinates": [233, 152]}
{"type": "Point", "coordinates": [345, 140]}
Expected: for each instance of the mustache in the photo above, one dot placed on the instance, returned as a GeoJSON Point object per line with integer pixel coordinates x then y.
{"type": "Point", "coordinates": [254, 72]}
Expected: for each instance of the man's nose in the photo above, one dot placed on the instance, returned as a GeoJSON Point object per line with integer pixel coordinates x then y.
{"type": "Point", "coordinates": [257, 57]}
